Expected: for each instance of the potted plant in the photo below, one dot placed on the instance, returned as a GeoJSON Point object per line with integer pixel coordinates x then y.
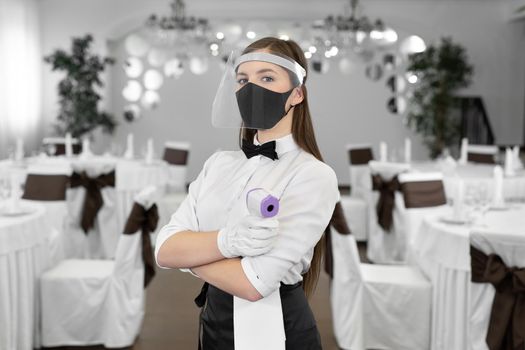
{"type": "Point", "coordinates": [79, 113]}
{"type": "Point", "coordinates": [441, 71]}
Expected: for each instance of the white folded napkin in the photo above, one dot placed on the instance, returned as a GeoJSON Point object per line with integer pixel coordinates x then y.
{"type": "Point", "coordinates": [129, 153]}
{"type": "Point", "coordinates": [458, 200]}
{"type": "Point", "coordinates": [509, 162]}
{"type": "Point", "coordinates": [69, 145]}
{"type": "Point", "coordinates": [463, 151]}
{"type": "Point", "coordinates": [518, 164]}
{"type": "Point", "coordinates": [149, 151]}
{"type": "Point", "coordinates": [19, 151]}
{"type": "Point", "coordinates": [383, 151]}
{"type": "Point", "coordinates": [497, 199]}
{"type": "Point", "coordinates": [408, 150]}
{"type": "Point", "coordinates": [259, 325]}
{"type": "Point", "coordinates": [86, 149]}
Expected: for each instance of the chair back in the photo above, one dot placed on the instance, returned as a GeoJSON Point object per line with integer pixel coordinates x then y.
{"type": "Point", "coordinates": [485, 154]}
{"type": "Point", "coordinates": [422, 190]}
{"type": "Point", "coordinates": [59, 145]}
{"type": "Point", "coordinates": [489, 309]}
{"type": "Point", "coordinates": [176, 154]}
{"type": "Point", "coordinates": [134, 254]}
{"type": "Point", "coordinates": [422, 194]}
{"type": "Point", "coordinates": [347, 263]}
{"type": "Point", "coordinates": [358, 157]}
{"type": "Point", "coordinates": [46, 183]}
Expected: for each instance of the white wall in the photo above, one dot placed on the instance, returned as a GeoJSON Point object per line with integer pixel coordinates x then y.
{"type": "Point", "coordinates": [345, 108]}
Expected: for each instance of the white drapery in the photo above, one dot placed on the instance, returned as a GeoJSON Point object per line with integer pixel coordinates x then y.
{"type": "Point", "coordinates": [20, 72]}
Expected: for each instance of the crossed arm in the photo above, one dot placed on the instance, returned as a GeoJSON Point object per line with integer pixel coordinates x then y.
{"type": "Point", "coordinates": [209, 264]}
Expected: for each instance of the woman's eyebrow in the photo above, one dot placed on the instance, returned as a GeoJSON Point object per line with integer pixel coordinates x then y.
{"type": "Point", "coordinates": [264, 70]}
{"type": "Point", "coordinates": [260, 71]}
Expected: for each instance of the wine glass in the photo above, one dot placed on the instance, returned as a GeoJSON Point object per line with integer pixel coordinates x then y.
{"type": "Point", "coordinates": [5, 188]}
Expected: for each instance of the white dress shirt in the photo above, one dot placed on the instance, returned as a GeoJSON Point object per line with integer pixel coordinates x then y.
{"type": "Point", "coordinates": [307, 190]}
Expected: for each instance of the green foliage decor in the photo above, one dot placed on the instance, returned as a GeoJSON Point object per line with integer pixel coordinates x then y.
{"type": "Point", "coordinates": [441, 70]}
{"type": "Point", "coordinates": [78, 100]}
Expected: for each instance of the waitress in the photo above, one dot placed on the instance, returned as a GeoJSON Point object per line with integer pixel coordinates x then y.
{"type": "Point", "coordinates": [244, 259]}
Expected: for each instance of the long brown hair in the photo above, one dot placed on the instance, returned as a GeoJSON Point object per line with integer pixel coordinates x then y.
{"type": "Point", "coordinates": [302, 132]}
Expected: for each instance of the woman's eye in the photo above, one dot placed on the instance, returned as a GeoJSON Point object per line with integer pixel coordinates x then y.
{"type": "Point", "coordinates": [267, 79]}
{"type": "Point", "coordinates": [242, 81]}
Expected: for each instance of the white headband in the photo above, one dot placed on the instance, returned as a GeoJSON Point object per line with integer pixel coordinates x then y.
{"type": "Point", "coordinates": [289, 64]}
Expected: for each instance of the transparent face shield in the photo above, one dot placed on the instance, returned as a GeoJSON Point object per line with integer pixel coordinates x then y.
{"type": "Point", "coordinates": [254, 90]}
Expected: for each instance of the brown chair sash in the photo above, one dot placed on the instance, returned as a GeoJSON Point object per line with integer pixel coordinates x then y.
{"type": "Point", "coordinates": [423, 194]}
{"type": "Point", "coordinates": [360, 156]}
{"type": "Point", "coordinates": [481, 158]}
{"type": "Point", "coordinates": [41, 187]}
{"type": "Point", "coordinates": [386, 202]}
{"type": "Point", "coordinates": [506, 329]}
{"type": "Point", "coordinates": [175, 156]}
{"type": "Point", "coordinates": [93, 200]}
{"type": "Point", "coordinates": [146, 221]}
{"type": "Point", "coordinates": [338, 221]}
{"type": "Point", "coordinates": [60, 148]}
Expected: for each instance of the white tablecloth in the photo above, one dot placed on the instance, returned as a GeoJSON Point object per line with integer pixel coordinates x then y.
{"type": "Point", "coordinates": [23, 258]}
{"type": "Point", "coordinates": [475, 176]}
{"type": "Point", "coordinates": [442, 251]}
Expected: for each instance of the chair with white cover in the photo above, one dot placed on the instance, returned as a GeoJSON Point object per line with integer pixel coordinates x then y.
{"type": "Point", "coordinates": [355, 206]}
{"type": "Point", "coordinates": [421, 195]}
{"type": "Point", "coordinates": [92, 200]}
{"type": "Point", "coordinates": [57, 145]}
{"type": "Point", "coordinates": [47, 185]}
{"type": "Point", "coordinates": [176, 154]}
{"type": "Point", "coordinates": [497, 302]}
{"type": "Point", "coordinates": [377, 306]}
{"type": "Point", "coordinates": [485, 154]}
{"type": "Point", "coordinates": [386, 244]}
{"type": "Point", "coordinates": [101, 302]}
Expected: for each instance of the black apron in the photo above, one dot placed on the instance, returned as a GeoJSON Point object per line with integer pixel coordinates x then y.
{"type": "Point", "coordinates": [216, 319]}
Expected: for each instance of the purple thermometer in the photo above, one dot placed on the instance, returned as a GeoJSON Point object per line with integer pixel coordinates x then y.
{"type": "Point", "coordinates": [261, 203]}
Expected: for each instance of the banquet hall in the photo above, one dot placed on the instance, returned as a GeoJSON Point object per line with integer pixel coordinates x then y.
{"type": "Point", "coordinates": [112, 132]}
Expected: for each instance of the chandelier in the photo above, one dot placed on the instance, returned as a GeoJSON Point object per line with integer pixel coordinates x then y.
{"type": "Point", "coordinates": [177, 28]}
{"type": "Point", "coordinates": [352, 32]}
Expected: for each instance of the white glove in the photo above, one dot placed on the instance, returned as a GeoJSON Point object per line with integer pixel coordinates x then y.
{"type": "Point", "coordinates": [251, 236]}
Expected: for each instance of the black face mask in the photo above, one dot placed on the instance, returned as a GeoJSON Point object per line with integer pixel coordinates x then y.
{"type": "Point", "coordinates": [261, 108]}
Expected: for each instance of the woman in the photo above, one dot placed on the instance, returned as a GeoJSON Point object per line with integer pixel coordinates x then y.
{"type": "Point", "coordinates": [212, 234]}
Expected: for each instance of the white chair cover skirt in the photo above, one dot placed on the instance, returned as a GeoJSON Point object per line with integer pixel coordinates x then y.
{"type": "Point", "coordinates": [24, 255]}
{"type": "Point", "coordinates": [377, 307]}
{"type": "Point", "coordinates": [93, 302]}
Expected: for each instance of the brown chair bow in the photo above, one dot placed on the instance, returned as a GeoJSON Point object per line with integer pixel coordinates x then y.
{"type": "Point", "coordinates": [484, 158]}
{"type": "Point", "coordinates": [146, 221]}
{"type": "Point", "coordinates": [423, 194]}
{"type": "Point", "coordinates": [506, 329]}
{"type": "Point", "coordinates": [360, 156]}
{"type": "Point", "coordinates": [40, 187]}
{"type": "Point", "coordinates": [338, 221]}
{"type": "Point", "coordinates": [60, 149]}
{"type": "Point", "coordinates": [93, 200]}
{"type": "Point", "coordinates": [175, 156]}
{"type": "Point", "coordinates": [386, 202]}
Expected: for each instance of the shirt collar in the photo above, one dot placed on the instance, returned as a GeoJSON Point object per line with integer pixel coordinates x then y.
{"type": "Point", "coordinates": [282, 145]}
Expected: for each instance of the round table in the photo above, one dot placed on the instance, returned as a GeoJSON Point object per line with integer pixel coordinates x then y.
{"type": "Point", "coordinates": [442, 250]}
{"type": "Point", "coordinates": [23, 258]}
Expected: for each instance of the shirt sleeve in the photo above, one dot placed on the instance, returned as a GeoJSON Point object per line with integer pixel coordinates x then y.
{"type": "Point", "coordinates": [305, 209]}
{"type": "Point", "coordinates": [185, 218]}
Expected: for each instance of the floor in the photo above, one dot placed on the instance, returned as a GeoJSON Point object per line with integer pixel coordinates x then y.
{"type": "Point", "coordinates": [171, 320]}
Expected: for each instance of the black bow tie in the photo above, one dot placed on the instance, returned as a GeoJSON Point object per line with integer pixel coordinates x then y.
{"type": "Point", "coordinates": [266, 149]}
